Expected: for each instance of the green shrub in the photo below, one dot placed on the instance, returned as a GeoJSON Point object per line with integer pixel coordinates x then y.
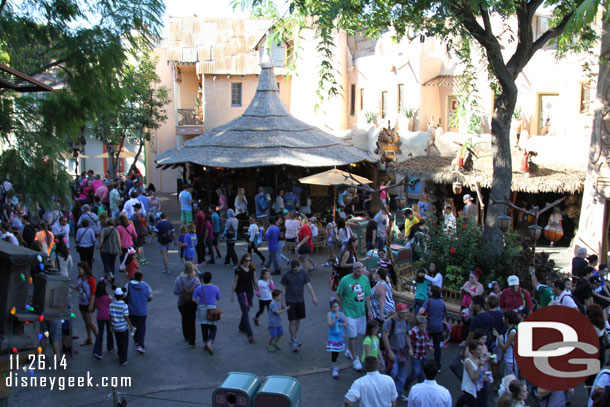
{"type": "Point", "coordinates": [466, 250]}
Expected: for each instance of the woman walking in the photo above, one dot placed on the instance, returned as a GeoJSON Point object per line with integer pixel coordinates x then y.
{"type": "Point", "coordinates": [184, 287]}
{"type": "Point", "coordinates": [127, 234]}
{"type": "Point", "coordinates": [63, 259]}
{"type": "Point", "coordinates": [434, 308]}
{"type": "Point", "coordinates": [230, 234]}
{"type": "Point", "coordinates": [206, 296]}
{"type": "Point", "coordinates": [348, 257]}
{"type": "Point", "coordinates": [85, 243]}
{"type": "Point", "coordinates": [282, 240]}
{"type": "Point", "coordinates": [46, 238]}
{"type": "Point", "coordinates": [305, 245]}
{"type": "Point", "coordinates": [244, 285]}
{"type": "Point", "coordinates": [85, 284]}
{"type": "Point", "coordinates": [110, 248]}
{"type": "Point", "coordinates": [101, 300]}
{"type": "Point", "coordinates": [382, 300]}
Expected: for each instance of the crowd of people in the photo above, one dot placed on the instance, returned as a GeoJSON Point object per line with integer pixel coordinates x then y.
{"type": "Point", "coordinates": [402, 344]}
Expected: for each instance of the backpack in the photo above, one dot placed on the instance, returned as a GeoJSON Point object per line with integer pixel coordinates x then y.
{"type": "Point", "coordinates": [263, 204]}
{"type": "Point", "coordinates": [581, 307]}
{"type": "Point", "coordinates": [187, 294]}
{"type": "Point", "coordinates": [230, 232]}
{"type": "Point", "coordinates": [141, 224]}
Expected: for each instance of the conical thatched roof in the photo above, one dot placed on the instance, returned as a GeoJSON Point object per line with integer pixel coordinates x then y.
{"type": "Point", "coordinates": [265, 135]}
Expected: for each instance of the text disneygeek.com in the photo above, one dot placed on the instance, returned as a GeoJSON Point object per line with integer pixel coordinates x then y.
{"type": "Point", "coordinates": [24, 380]}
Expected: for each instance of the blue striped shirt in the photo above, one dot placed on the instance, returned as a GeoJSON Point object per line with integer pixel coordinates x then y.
{"type": "Point", "coordinates": [118, 311]}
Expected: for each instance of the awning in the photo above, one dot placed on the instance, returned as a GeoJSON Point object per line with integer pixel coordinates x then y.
{"type": "Point", "coordinates": [442, 80]}
{"type": "Point", "coordinates": [12, 79]}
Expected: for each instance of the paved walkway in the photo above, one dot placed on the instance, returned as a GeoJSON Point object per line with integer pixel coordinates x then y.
{"type": "Point", "coordinates": [171, 374]}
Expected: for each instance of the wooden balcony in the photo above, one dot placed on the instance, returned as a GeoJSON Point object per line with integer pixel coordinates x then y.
{"type": "Point", "coordinates": [189, 122]}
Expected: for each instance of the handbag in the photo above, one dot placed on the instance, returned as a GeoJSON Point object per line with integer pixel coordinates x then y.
{"type": "Point", "coordinates": [212, 314]}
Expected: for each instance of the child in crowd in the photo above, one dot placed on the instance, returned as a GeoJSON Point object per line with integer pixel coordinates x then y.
{"type": "Point", "coordinates": [335, 344]}
{"type": "Point", "coordinates": [421, 344]}
{"type": "Point", "coordinates": [495, 288]}
{"type": "Point", "coordinates": [183, 232]}
{"type": "Point", "coordinates": [189, 243]}
{"type": "Point", "coordinates": [121, 325]}
{"type": "Point", "coordinates": [131, 264]}
{"type": "Point", "coordinates": [275, 321]}
{"type": "Point", "coordinates": [386, 263]}
{"type": "Point", "coordinates": [330, 242]}
{"type": "Point", "coordinates": [265, 286]}
{"type": "Point", "coordinates": [101, 301]}
{"type": "Point", "coordinates": [371, 340]}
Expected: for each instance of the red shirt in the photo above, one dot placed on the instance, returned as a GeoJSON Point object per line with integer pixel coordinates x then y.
{"type": "Point", "coordinates": [131, 268]}
{"type": "Point", "coordinates": [513, 301]}
{"type": "Point", "coordinates": [199, 222]}
{"type": "Point", "coordinates": [305, 230]}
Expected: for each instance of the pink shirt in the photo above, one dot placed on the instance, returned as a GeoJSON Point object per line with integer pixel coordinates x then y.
{"type": "Point", "coordinates": [96, 183]}
{"type": "Point", "coordinates": [103, 307]}
{"type": "Point", "coordinates": [127, 235]}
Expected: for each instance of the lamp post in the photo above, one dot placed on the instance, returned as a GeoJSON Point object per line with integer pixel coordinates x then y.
{"type": "Point", "coordinates": [504, 222]}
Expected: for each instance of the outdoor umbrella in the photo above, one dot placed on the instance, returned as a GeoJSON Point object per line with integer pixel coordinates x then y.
{"type": "Point", "coordinates": [122, 154]}
{"type": "Point", "coordinates": [335, 177]}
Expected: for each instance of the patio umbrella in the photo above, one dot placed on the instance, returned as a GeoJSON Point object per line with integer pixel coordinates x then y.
{"type": "Point", "coordinates": [122, 154]}
{"type": "Point", "coordinates": [335, 177]}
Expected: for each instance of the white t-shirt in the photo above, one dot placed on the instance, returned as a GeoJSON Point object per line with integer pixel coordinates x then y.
{"type": "Point", "coordinates": [264, 288]}
{"type": "Point", "coordinates": [253, 232]}
{"type": "Point", "coordinates": [292, 228]}
{"type": "Point", "coordinates": [429, 393]}
{"type": "Point", "coordinates": [373, 390]}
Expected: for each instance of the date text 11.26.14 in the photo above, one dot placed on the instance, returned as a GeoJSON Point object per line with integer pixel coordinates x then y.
{"type": "Point", "coordinates": [38, 362]}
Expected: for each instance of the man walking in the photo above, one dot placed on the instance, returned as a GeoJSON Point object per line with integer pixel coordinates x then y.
{"type": "Point", "coordinates": [381, 220]}
{"type": "Point", "coordinates": [186, 205]}
{"type": "Point", "coordinates": [515, 298]}
{"type": "Point", "coordinates": [354, 294]}
{"type": "Point", "coordinates": [262, 204]}
{"type": "Point", "coordinates": [215, 219]}
{"type": "Point", "coordinates": [200, 231]}
{"type": "Point", "coordinates": [373, 390]}
{"type": "Point", "coordinates": [273, 237]}
{"type": "Point", "coordinates": [398, 346]}
{"type": "Point", "coordinates": [166, 234]}
{"type": "Point", "coordinates": [294, 283]}
{"type": "Point", "coordinates": [140, 295]}
{"type": "Point", "coordinates": [429, 393]}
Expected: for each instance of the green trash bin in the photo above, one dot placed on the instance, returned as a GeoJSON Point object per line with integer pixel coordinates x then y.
{"type": "Point", "coordinates": [237, 390]}
{"type": "Point", "coordinates": [278, 391]}
{"type": "Point", "coordinates": [358, 227]}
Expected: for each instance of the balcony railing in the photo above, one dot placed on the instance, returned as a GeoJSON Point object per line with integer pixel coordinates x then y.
{"type": "Point", "coordinates": [190, 117]}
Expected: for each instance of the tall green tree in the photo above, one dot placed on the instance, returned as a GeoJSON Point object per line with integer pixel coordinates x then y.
{"type": "Point", "coordinates": [139, 111]}
{"type": "Point", "coordinates": [79, 46]}
{"type": "Point", "coordinates": [471, 22]}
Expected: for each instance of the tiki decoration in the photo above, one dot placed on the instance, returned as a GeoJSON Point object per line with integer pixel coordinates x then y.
{"type": "Point", "coordinates": [388, 145]}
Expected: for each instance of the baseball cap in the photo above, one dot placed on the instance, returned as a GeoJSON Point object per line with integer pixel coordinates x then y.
{"type": "Point", "coordinates": [513, 280]}
{"type": "Point", "coordinates": [118, 291]}
{"type": "Point", "coordinates": [401, 306]}
{"type": "Point", "coordinates": [467, 197]}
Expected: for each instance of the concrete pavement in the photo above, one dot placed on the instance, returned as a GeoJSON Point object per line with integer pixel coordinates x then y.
{"type": "Point", "coordinates": [171, 374]}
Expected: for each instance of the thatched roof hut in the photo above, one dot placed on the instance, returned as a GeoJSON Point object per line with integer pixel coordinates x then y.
{"type": "Point", "coordinates": [265, 135]}
{"type": "Point", "coordinates": [548, 178]}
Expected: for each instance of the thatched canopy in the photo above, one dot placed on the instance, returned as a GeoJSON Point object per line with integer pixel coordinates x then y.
{"type": "Point", "coordinates": [265, 135]}
{"type": "Point", "coordinates": [549, 178]}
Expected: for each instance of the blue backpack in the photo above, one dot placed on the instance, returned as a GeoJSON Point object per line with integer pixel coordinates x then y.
{"type": "Point", "coordinates": [259, 239]}
{"type": "Point", "coordinates": [263, 204]}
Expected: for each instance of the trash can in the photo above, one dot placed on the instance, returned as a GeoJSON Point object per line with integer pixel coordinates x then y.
{"type": "Point", "coordinates": [51, 293]}
{"type": "Point", "coordinates": [278, 391]}
{"type": "Point", "coordinates": [237, 390]}
{"type": "Point", "coordinates": [358, 228]}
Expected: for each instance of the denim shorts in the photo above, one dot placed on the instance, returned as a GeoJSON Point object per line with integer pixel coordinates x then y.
{"type": "Point", "coordinates": [276, 331]}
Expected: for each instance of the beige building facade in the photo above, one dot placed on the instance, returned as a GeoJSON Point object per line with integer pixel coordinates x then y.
{"type": "Point", "coordinates": [211, 68]}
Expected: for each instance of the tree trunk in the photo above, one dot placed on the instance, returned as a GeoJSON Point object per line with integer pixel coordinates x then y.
{"type": "Point", "coordinates": [104, 137]}
{"type": "Point", "coordinates": [135, 160]}
{"type": "Point", "coordinates": [502, 166]}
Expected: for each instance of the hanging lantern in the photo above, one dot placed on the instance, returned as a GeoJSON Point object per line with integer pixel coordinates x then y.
{"type": "Point", "coordinates": [534, 232]}
{"type": "Point", "coordinates": [457, 187]}
{"type": "Point", "coordinates": [504, 222]}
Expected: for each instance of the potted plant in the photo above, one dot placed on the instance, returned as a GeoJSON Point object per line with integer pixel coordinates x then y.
{"type": "Point", "coordinates": [518, 120]}
{"type": "Point", "coordinates": [370, 116]}
{"type": "Point", "coordinates": [411, 114]}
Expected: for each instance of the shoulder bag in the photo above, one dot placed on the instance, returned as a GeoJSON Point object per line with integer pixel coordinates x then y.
{"type": "Point", "coordinates": [212, 314]}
